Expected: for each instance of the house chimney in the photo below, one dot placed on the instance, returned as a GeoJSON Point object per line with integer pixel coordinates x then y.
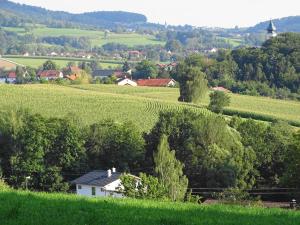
{"type": "Point", "coordinates": [114, 170]}
{"type": "Point", "coordinates": [109, 173]}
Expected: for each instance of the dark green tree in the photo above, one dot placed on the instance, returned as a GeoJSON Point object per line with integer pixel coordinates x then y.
{"type": "Point", "coordinates": [169, 171]}
{"type": "Point", "coordinates": [50, 65]}
{"type": "Point", "coordinates": [218, 100]}
{"type": "Point", "coordinates": [145, 69]}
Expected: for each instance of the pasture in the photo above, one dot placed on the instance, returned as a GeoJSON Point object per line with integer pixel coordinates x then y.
{"type": "Point", "coordinates": [97, 37]}
{"type": "Point", "coordinates": [141, 105]}
{"type": "Point", "coordinates": [38, 61]}
{"type": "Point", "coordinates": [28, 208]}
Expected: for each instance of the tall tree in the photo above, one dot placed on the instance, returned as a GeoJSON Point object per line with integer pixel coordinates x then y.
{"type": "Point", "coordinates": [50, 65]}
{"type": "Point", "coordinates": [192, 80]}
{"type": "Point", "coordinates": [169, 171]}
{"type": "Point", "coordinates": [218, 100]}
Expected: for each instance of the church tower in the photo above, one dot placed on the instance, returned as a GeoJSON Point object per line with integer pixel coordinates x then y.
{"type": "Point", "coordinates": [271, 30]}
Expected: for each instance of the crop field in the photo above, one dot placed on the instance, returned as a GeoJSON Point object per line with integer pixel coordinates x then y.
{"type": "Point", "coordinates": [97, 37]}
{"type": "Point", "coordinates": [88, 106]}
{"type": "Point", "coordinates": [37, 62]}
{"type": "Point", "coordinates": [141, 105]}
{"type": "Point", "coordinates": [28, 208]}
{"type": "Point", "coordinates": [281, 109]}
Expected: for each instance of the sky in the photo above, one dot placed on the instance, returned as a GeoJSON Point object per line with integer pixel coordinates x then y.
{"type": "Point", "coordinates": [211, 13]}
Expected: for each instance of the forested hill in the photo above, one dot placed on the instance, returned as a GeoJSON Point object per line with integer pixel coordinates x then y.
{"type": "Point", "coordinates": [286, 24]}
{"type": "Point", "coordinates": [13, 14]}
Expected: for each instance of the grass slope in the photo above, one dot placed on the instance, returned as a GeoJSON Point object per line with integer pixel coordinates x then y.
{"type": "Point", "coordinates": [25, 208]}
{"type": "Point", "coordinates": [37, 62]}
{"type": "Point", "coordinates": [89, 106]}
{"type": "Point", "coordinates": [142, 105]}
{"type": "Point", "coordinates": [96, 37]}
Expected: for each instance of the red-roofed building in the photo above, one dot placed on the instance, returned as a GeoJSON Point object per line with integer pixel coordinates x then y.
{"type": "Point", "coordinates": [220, 89]}
{"type": "Point", "coordinates": [11, 77]}
{"type": "Point", "coordinates": [50, 74]}
{"type": "Point", "coordinates": [156, 82]}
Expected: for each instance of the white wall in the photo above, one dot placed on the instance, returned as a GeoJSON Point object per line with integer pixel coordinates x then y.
{"type": "Point", "coordinates": [109, 190]}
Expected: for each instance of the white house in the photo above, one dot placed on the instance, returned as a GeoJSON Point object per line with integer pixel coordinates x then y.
{"type": "Point", "coordinates": [100, 183]}
{"type": "Point", "coordinates": [126, 82]}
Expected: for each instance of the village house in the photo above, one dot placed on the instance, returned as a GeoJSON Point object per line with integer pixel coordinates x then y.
{"type": "Point", "coordinates": [11, 77]}
{"type": "Point", "coordinates": [157, 82]}
{"type": "Point", "coordinates": [100, 183]}
{"type": "Point", "coordinates": [50, 74]}
{"type": "Point", "coordinates": [126, 82]}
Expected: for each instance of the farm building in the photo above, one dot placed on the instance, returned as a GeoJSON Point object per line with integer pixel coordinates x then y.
{"type": "Point", "coordinates": [100, 183]}
{"type": "Point", "coordinates": [103, 73]}
{"type": "Point", "coordinates": [11, 77]}
{"type": "Point", "coordinates": [50, 74]}
{"type": "Point", "coordinates": [156, 82]}
{"type": "Point", "coordinates": [126, 82]}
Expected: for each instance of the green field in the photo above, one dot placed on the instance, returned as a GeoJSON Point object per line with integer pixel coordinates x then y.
{"type": "Point", "coordinates": [92, 103]}
{"type": "Point", "coordinates": [96, 37]}
{"type": "Point", "coordinates": [37, 62]}
{"type": "Point", "coordinates": [26, 208]}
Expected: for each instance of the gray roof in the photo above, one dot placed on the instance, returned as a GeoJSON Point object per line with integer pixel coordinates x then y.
{"type": "Point", "coordinates": [97, 178]}
{"type": "Point", "coordinates": [103, 73]}
{"type": "Point", "coordinates": [271, 27]}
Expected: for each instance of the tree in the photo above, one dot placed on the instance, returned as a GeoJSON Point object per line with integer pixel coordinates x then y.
{"type": "Point", "coordinates": [148, 187]}
{"type": "Point", "coordinates": [50, 65]}
{"type": "Point", "coordinates": [113, 144]}
{"type": "Point", "coordinates": [145, 69]}
{"type": "Point", "coordinates": [212, 152]}
{"type": "Point", "coordinates": [20, 75]}
{"type": "Point", "coordinates": [218, 100]}
{"type": "Point", "coordinates": [125, 67]}
{"type": "Point", "coordinates": [169, 171]}
{"type": "Point", "coordinates": [192, 82]}
{"type": "Point", "coordinates": [291, 174]}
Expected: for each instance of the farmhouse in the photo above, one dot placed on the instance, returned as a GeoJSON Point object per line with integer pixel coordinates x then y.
{"type": "Point", "coordinates": [126, 82]}
{"type": "Point", "coordinates": [102, 73]}
{"type": "Point", "coordinates": [50, 74]}
{"type": "Point", "coordinates": [11, 77]}
{"type": "Point", "coordinates": [156, 82]}
{"type": "Point", "coordinates": [100, 183]}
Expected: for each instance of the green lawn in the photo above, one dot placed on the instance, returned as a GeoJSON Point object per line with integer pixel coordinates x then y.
{"type": "Point", "coordinates": [142, 105]}
{"type": "Point", "coordinates": [96, 36]}
{"type": "Point", "coordinates": [26, 208]}
{"type": "Point", "coordinates": [37, 62]}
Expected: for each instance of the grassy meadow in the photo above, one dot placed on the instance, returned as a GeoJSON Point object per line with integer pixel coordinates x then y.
{"type": "Point", "coordinates": [37, 62]}
{"type": "Point", "coordinates": [26, 208]}
{"type": "Point", "coordinates": [142, 105]}
{"type": "Point", "coordinates": [97, 37]}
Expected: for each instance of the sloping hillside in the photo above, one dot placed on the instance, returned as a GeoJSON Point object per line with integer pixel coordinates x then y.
{"type": "Point", "coordinates": [286, 24]}
{"type": "Point", "coordinates": [29, 14]}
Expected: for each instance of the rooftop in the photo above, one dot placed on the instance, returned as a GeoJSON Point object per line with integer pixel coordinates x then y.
{"type": "Point", "coordinates": [97, 178]}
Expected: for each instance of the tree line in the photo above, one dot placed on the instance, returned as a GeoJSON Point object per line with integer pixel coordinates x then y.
{"type": "Point", "coordinates": [183, 148]}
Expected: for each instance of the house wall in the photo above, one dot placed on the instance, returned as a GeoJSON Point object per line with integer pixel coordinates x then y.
{"type": "Point", "coordinates": [86, 190]}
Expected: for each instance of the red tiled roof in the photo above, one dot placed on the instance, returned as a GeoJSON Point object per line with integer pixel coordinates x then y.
{"type": "Point", "coordinates": [154, 82]}
{"type": "Point", "coordinates": [220, 89]}
{"type": "Point", "coordinates": [75, 69]}
{"type": "Point", "coordinates": [12, 75]}
{"type": "Point", "coordinates": [49, 73]}
{"type": "Point", "coordinates": [72, 77]}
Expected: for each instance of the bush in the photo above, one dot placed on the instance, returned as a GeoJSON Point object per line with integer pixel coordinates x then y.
{"type": "Point", "coordinates": [3, 185]}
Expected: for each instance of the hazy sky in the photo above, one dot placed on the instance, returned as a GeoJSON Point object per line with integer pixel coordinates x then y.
{"type": "Point", "coordinates": [213, 13]}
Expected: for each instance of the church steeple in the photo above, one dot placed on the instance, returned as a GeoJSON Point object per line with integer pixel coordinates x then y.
{"type": "Point", "coordinates": [271, 30]}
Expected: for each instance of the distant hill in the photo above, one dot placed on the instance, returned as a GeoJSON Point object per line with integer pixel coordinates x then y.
{"type": "Point", "coordinates": [286, 24]}
{"type": "Point", "coordinates": [13, 13]}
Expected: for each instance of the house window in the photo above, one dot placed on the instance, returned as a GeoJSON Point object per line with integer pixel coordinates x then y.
{"type": "Point", "coordinates": [79, 187]}
{"type": "Point", "coordinates": [93, 191]}
{"type": "Point", "coordinates": [102, 190]}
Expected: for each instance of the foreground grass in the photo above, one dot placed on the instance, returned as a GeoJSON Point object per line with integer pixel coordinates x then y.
{"type": "Point", "coordinates": [25, 208]}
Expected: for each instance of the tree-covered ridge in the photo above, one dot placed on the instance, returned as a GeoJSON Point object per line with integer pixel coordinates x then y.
{"type": "Point", "coordinates": [24, 13]}
{"type": "Point", "coordinates": [286, 24]}
{"type": "Point", "coordinates": [273, 69]}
